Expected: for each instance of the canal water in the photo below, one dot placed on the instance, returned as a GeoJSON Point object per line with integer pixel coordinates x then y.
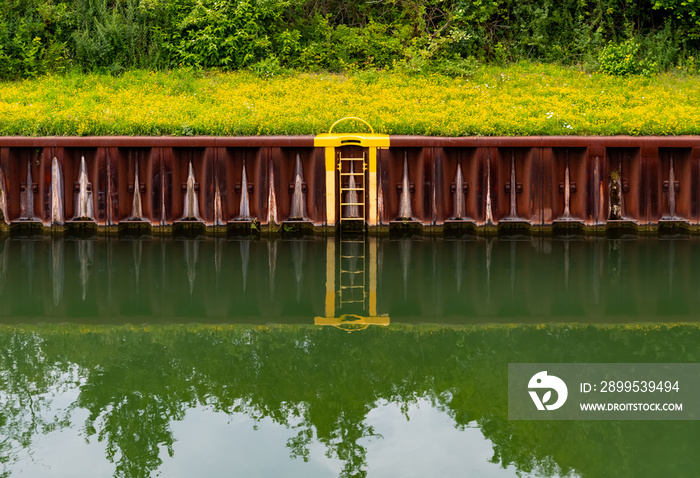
{"type": "Point", "coordinates": [330, 357]}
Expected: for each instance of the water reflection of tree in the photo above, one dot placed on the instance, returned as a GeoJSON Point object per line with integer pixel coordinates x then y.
{"type": "Point", "coordinates": [323, 383]}
{"type": "Point", "coordinates": [29, 381]}
{"type": "Point", "coordinates": [133, 394]}
{"type": "Point", "coordinates": [310, 381]}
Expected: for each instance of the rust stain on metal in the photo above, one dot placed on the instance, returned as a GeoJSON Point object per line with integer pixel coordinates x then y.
{"type": "Point", "coordinates": [479, 182]}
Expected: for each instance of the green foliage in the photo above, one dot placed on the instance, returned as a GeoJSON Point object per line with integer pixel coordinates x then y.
{"type": "Point", "coordinates": [323, 46]}
{"type": "Point", "coordinates": [223, 34]}
{"type": "Point", "coordinates": [268, 68]}
{"type": "Point", "coordinates": [624, 59]}
{"type": "Point", "coordinates": [51, 36]}
{"type": "Point", "coordinates": [22, 52]}
{"type": "Point", "coordinates": [685, 13]}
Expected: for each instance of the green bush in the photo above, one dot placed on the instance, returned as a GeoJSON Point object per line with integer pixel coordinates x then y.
{"type": "Point", "coordinates": [268, 68]}
{"type": "Point", "coordinates": [624, 59]}
{"type": "Point", "coordinates": [227, 35]}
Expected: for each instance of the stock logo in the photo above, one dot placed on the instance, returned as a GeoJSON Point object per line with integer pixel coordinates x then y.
{"type": "Point", "coordinates": [540, 382]}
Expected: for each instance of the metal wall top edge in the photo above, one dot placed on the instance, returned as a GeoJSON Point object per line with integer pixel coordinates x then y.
{"type": "Point", "coordinates": [311, 141]}
{"type": "Point", "coordinates": [156, 141]}
{"type": "Point", "coordinates": [464, 141]}
{"type": "Point", "coordinates": [269, 141]}
{"type": "Point", "coordinates": [546, 141]}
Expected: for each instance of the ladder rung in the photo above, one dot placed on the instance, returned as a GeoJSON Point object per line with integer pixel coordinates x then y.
{"type": "Point", "coordinates": [352, 218]}
{"type": "Point", "coordinates": [352, 159]}
{"type": "Point", "coordinates": [352, 257]}
{"type": "Point", "coordinates": [352, 287]}
{"type": "Point", "coordinates": [347, 241]}
{"type": "Point", "coordinates": [352, 174]}
{"type": "Point", "coordinates": [351, 189]}
{"type": "Point", "coordinates": [352, 272]}
{"type": "Point", "coordinates": [352, 204]}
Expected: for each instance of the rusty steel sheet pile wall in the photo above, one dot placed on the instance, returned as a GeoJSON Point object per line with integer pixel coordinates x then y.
{"type": "Point", "coordinates": [428, 184]}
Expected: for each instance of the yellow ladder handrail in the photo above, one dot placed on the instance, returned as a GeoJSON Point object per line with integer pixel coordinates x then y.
{"type": "Point", "coordinates": [347, 118]}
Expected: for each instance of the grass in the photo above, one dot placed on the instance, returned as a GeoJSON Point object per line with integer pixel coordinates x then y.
{"type": "Point", "coordinates": [525, 99]}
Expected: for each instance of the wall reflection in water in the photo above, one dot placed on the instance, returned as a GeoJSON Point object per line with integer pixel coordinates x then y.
{"type": "Point", "coordinates": [329, 280]}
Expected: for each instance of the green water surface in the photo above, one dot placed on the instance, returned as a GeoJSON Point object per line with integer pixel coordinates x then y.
{"type": "Point", "coordinates": [202, 357]}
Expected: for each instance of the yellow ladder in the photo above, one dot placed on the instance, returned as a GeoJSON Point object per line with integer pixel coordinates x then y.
{"type": "Point", "coordinates": [358, 188]}
{"type": "Point", "coordinates": [352, 283]}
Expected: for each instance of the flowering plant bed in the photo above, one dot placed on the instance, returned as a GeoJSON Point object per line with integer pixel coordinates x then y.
{"type": "Point", "coordinates": [525, 99]}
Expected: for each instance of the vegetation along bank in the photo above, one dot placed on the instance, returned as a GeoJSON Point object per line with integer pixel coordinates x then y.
{"type": "Point", "coordinates": [524, 99]}
{"type": "Point", "coordinates": [291, 67]}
